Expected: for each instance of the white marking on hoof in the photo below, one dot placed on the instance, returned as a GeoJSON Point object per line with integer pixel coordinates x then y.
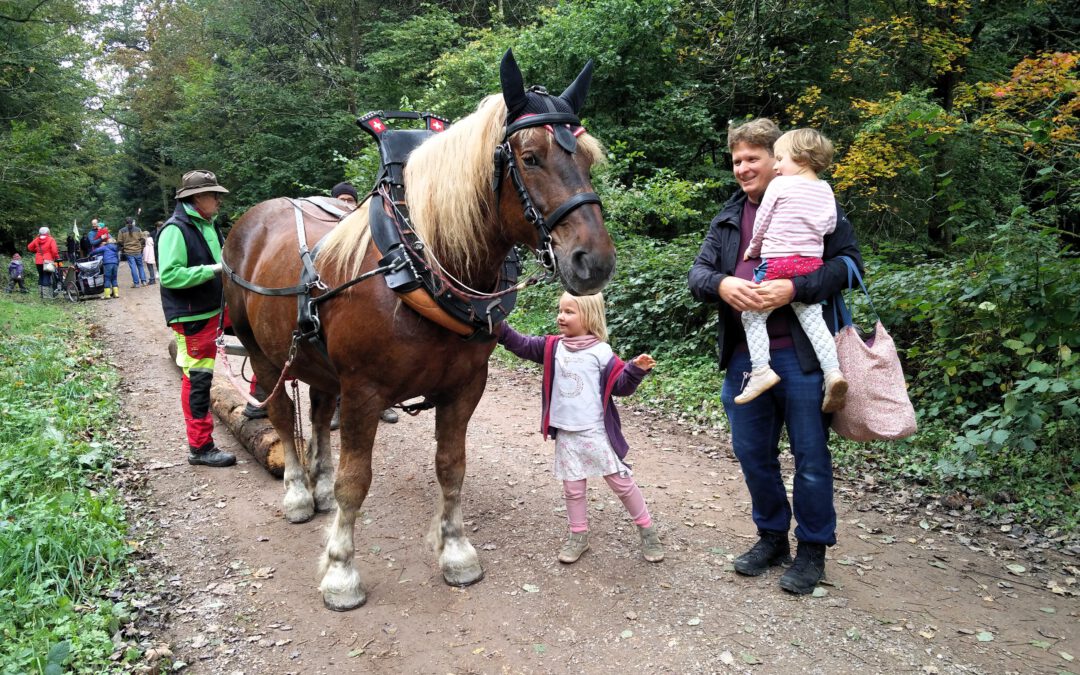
{"type": "Point", "coordinates": [459, 562]}
{"type": "Point", "coordinates": [341, 588]}
{"type": "Point", "coordinates": [298, 504]}
{"type": "Point", "coordinates": [324, 494]}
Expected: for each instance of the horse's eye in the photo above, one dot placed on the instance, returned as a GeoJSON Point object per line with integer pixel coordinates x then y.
{"type": "Point", "coordinates": [530, 159]}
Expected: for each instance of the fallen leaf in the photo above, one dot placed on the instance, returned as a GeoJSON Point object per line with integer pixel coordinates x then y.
{"type": "Point", "coordinates": [1016, 569]}
{"type": "Point", "coordinates": [626, 634]}
{"type": "Point", "coordinates": [727, 658]}
{"type": "Point", "coordinates": [819, 592]}
{"type": "Point", "coordinates": [529, 588]}
{"type": "Point", "coordinates": [984, 636]}
{"type": "Point", "coordinates": [693, 622]}
{"type": "Point", "coordinates": [1067, 656]}
{"type": "Point", "coordinates": [749, 659]}
{"type": "Point", "coordinates": [1041, 644]}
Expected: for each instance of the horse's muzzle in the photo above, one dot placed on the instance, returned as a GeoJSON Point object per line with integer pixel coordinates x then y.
{"type": "Point", "coordinates": [588, 272]}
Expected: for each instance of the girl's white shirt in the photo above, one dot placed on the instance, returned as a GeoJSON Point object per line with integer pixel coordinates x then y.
{"type": "Point", "coordinates": [576, 401]}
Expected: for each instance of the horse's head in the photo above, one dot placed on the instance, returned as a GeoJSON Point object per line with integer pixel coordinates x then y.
{"type": "Point", "coordinates": [542, 173]}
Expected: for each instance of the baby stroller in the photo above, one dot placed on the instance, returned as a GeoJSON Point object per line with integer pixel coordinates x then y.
{"type": "Point", "coordinates": [85, 277]}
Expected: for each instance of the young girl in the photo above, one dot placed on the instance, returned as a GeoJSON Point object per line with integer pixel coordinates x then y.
{"type": "Point", "coordinates": [149, 260]}
{"type": "Point", "coordinates": [796, 212]}
{"type": "Point", "coordinates": [580, 376]}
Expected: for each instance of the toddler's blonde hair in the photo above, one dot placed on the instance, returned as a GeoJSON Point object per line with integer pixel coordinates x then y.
{"type": "Point", "coordinates": [808, 147]}
{"type": "Point", "coordinates": [593, 318]}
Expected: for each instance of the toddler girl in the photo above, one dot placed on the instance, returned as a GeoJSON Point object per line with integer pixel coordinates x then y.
{"type": "Point", "coordinates": [796, 212]}
{"type": "Point", "coordinates": [149, 259]}
{"type": "Point", "coordinates": [581, 373]}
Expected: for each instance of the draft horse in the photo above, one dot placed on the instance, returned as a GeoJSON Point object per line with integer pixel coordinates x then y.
{"type": "Point", "coordinates": [378, 351]}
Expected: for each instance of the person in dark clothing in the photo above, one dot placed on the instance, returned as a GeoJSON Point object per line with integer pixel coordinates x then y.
{"type": "Point", "coordinates": [720, 275]}
{"type": "Point", "coordinates": [189, 267]}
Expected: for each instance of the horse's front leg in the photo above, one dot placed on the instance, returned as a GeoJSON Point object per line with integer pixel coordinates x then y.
{"type": "Point", "coordinates": [341, 587]}
{"type": "Point", "coordinates": [320, 469]}
{"type": "Point", "coordinates": [457, 557]}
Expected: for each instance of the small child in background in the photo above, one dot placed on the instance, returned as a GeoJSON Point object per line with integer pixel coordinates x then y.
{"type": "Point", "coordinates": [581, 374]}
{"type": "Point", "coordinates": [149, 260]}
{"type": "Point", "coordinates": [15, 274]}
{"type": "Point", "coordinates": [796, 212]}
{"type": "Point", "coordinates": [110, 261]}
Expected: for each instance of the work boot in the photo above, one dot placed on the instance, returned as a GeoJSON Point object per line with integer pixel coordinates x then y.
{"type": "Point", "coordinates": [835, 391]}
{"type": "Point", "coordinates": [116, 291]}
{"type": "Point", "coordinates": [771, 549]}
{"type": "Point", "coordinates": [108, 292]}
{"type": "Point", "coordinates": [389, 416]}
{"type": "Point", "coordinates": [651, 548]}
{"type": "Point", "coordinates": [210, 455]}
{"type": "Point", "coordinates": [760, 382]}
{"type": "Point", "coordinates": [254, 413]}
{"type": "Point", "coordinates": [576, 544]}
{"type": "Point", "coordinates": [807, 571]}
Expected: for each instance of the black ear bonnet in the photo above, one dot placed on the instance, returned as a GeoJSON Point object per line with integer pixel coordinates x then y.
{"type": "Point", "coordinates": [557, 113]}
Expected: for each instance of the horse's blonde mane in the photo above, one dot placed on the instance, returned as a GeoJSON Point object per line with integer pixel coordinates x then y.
{"type": "Point", "coordinates": [449, 192]}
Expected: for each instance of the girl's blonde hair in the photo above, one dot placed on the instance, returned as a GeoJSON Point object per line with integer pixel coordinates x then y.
{"type": "Point", "coordinates": [808, 147]}
{"type": "Point", "coordinates": [593, 318]}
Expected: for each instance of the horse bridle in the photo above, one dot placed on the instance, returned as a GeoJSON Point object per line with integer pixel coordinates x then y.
{"type": "Point", "coordinates": [504, 162]}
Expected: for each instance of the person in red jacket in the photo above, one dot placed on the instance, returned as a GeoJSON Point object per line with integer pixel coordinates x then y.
{"type": "Point", "coordinates": [46, 253]}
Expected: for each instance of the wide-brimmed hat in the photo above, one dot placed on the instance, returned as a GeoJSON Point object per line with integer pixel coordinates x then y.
{"type": "Point", "coordinates": [199, 181]}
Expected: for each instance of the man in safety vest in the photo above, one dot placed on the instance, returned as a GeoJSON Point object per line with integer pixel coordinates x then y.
{"type": "Point", "coordinates": [189, 266]}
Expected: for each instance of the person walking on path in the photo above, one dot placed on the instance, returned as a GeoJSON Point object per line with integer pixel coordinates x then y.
{"type": "Point", "coordinates": [581, 374]}
{"type": "Point", "coordinates": [720, 275]}
{"type": "Point", "coordinates": [15, 274]}
{"type": "Point", "coordinates": [46, 253]}
{"type": "Point", "coordinates": [149, 258]}
{"type": "Point", "coordinates": [110, 264]}
{"type": "Point", "coordinates": [132, 240]}
{"type": "Point", "coordinates": [189, 248]}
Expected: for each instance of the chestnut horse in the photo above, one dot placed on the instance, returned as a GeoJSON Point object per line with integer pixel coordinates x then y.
{"type": "Point", "coordinates": [379, 351]}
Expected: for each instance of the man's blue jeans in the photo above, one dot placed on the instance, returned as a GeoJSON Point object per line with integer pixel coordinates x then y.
{"type": "Point", "coordinates": [795, 402]}
{"type": "Point", "coordinates": [138, 271]}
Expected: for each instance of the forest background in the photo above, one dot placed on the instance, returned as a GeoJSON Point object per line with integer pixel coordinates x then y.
{"type": "Point", "coordinates": [956, 123]}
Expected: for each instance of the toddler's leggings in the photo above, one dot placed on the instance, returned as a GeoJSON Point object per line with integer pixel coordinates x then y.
{"type": "Point", "coordinates": [623, 486]}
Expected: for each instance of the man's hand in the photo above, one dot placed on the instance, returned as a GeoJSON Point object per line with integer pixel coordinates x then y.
{"type": "Point", "coordinates": [644, 361]}
{"type": "Point", "coordinates": [740, 294]}
{"type": "Point", "coordinates": [775, 293]}
{"type": "Point", "coordinates": [215, 268]}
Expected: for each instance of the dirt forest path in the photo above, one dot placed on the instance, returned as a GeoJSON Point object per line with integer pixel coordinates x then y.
{"type": "Point", "coordinates": [234, 588]}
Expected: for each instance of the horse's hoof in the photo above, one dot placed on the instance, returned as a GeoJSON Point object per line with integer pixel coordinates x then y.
{"type": "Point", "coordinates": [461, 579]}
{"type": "Point", "coordinates": [299, 507]}
{"type": "Point", "coordinates": [331, 604]}
{"type": "Point", "coordinates": [341, 590]}
{"type": "Point", "coordinates": [324, 505]}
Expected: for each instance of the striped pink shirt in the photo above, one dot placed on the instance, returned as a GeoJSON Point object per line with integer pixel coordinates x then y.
{"type": "Point", "coordinates": [793, 219]}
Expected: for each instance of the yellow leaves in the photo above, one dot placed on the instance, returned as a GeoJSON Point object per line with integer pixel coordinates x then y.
{"type": "Point", "coordinates": [806, 111]}
{"type": "Point", "coordinates": [1041, 96]}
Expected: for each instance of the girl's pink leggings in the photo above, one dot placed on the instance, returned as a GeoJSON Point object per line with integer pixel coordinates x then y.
{"type": "Point", "coordinates": [624, 487]}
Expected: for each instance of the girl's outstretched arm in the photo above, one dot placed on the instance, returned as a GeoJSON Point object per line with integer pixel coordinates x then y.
{"type": "Point", "coordinates": [529, 347]}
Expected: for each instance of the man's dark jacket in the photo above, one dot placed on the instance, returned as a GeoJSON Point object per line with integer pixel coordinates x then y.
{"type": "Point", "coordinates": [720, 253]}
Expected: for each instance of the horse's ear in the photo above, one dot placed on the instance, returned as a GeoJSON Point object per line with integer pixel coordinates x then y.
{"type": "Point", "coordinates": [513, 86]}
{"type": "Point", "coordinates": [576, 92]}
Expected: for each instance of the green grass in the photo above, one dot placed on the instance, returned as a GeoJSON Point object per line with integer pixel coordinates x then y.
{"type": "Point", "coordinates": [62, 528]}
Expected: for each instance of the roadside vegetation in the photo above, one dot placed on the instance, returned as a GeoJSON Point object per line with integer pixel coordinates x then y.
{"type": "Point", "coordinates": [62, 529]}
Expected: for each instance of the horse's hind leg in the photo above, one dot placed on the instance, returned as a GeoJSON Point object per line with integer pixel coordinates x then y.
{"type": "Point", "coordinates": [341, 587]}
{"type": "Point", "coordinates": [298, 504]}
{"type": "Point", "coordinates": [320, 470]}
{"type": "Point", "coordinates": [457, 557]}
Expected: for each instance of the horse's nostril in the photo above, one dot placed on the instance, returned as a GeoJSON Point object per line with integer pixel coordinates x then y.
{"type": "Point", "coordinates": [579, 260]}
